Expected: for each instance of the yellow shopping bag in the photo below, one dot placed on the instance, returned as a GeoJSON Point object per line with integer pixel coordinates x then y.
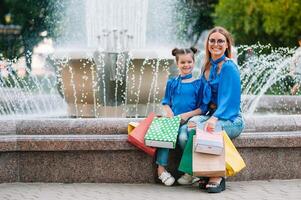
{"type": "Point", "coordinates": [132, 126]}
{"type": "Point", "coordinates": [234, 162]}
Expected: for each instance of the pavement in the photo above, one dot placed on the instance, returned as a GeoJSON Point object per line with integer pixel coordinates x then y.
{"type": "Point", "coordinates": [240, 190]}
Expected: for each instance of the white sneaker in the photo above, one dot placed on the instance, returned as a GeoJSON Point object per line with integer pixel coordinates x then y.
{"type": "Point", "coordinates": [166, 178]}
{"type": "Point", "coordinates": [187, 179]}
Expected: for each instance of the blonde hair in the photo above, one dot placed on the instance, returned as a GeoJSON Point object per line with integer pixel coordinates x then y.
{"type": "Point", "coordinates": [229, 41]}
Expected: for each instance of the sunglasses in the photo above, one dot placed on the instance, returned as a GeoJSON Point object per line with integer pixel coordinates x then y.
{"type": "Point", "coordinates": [218, 42]}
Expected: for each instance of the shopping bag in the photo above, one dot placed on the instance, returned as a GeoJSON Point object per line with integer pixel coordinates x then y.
{"type": "Point", "coordinates": [132, 126]}
{"type": "Point", "coordinates": [209, 142]}
{"type": "Point", "coordinates": [234, 162]}
{"type": "Point", "coordinates": [186, 160]}
{"type": "Point", "coordinates": [136, 137]}
{"type": "Point", "coordinates": [208, 165]}
{"type": "Point", "coordinates": [163, 132]}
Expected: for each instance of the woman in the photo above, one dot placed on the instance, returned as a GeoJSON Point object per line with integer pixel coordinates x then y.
{"type": "Point", "coordinates": [221, 92]}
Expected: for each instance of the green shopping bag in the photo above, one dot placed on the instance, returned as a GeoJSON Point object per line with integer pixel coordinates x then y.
{"type": "Point", "coordinates": [163, 132]}
{"type": "Point", "coordinates": [186, 161]}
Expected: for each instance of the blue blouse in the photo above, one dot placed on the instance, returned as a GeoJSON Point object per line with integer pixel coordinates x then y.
{"type": "Point", "coordinates": [224, 91]}
{"type": "Point", "coordinates": [188, 98]}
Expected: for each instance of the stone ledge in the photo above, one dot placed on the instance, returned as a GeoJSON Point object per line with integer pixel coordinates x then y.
{"type": "Point", "coordinates": [64, 143]}
{"type": "Point", "coordinates": [110, 126]}
{"type": "Point", "coordinates": [119, 142]}
{"type": "Point", "coordinates": [110, 158]}
{"type": "Point", "coordinates": [96, 150]}
{"type": "Point", "coordinates": [273, 123]}
{"type": "Point", "coordinates": [66, 126]}
{"type": "Point", "coordinates": [268, 139]}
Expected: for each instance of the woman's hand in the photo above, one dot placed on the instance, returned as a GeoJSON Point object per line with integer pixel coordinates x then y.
{"type": "Point", "coordinates": [191, 125]}
{"type": "Point", "coordinates": [210, 124]}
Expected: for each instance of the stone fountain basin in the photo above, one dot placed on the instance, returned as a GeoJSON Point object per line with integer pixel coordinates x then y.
{"type": "Point", "coordinates": [141, 81]}
{"type": "Point", "coordinates": [274, 104]}
{"type": "Point", "coordinates": [86, 53]}
{"type": "Point", "coordinates": [117, 126]}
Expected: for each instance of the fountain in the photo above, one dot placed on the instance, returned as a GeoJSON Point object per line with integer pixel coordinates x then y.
{"type": "Point", "coordinates": [266, 80]}
{"type": "Point", "coordinates": [23, 96]}
{"type": "Point", "coordinates": [117, 75]}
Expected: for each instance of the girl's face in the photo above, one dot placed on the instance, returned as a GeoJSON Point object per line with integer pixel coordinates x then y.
{"type": "Point", "coordinates": [185, 63]}
{"type": "Point", "coordinates": [217, 45]}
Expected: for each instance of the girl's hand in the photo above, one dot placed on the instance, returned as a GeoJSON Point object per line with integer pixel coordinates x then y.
{"type": "Point", "coordinates": [169, 114]}
{"type": "Point", "coordinates": [184, 117]}
{"type": "Point", "coordinates": [210, 124]}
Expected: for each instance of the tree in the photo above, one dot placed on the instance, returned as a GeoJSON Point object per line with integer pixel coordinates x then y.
{"type": "Point", "coordinates": [38, 19]}
{"type": "Point", "coordinates": [193, 17]}
{"type": "Point", "coordinates": [276, 22]}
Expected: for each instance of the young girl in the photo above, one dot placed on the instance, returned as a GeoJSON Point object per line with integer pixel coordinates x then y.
{"type": "Point", "coordinates": [182, 97]}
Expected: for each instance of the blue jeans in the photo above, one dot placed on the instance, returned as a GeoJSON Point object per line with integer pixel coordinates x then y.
{"type": "Point", "coordinates": [163, 153]}
{"type": "Point", "coordinates": [233, 129]}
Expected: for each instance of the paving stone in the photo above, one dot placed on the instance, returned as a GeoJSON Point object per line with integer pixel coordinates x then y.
{"type": "Point", "coordinates": [244, 190]}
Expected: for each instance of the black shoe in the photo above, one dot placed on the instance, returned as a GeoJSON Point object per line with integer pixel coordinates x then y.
{"type": "Point", "coordinates": [203, 182]}
{"type": "Point", "coordinates": [215, 187]}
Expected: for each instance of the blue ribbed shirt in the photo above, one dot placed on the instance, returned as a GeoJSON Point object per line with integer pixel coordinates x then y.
{"type": "Point", "coordinates": [187, 99]}
{"type": "Point", "coordinates": [226, 91]}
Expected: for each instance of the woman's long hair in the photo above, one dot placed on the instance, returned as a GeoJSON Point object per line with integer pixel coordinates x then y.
{"type": "Point", "coordinates": [229, 41]}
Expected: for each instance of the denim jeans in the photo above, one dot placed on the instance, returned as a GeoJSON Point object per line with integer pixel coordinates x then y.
{"type": "Point", "coordinates": [163, 153]}
{"type": "Point", "coordinates": [233, 129]}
